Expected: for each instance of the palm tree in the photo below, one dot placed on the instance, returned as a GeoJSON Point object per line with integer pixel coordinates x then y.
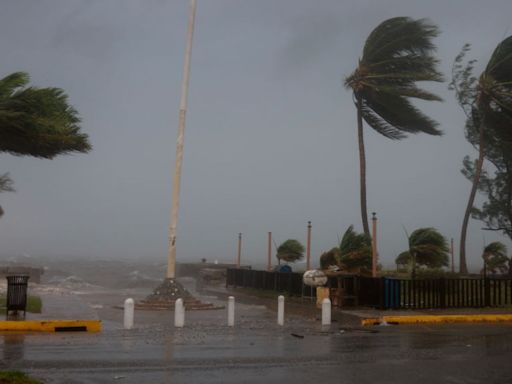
{"type": "Point", "coordinates": [495, 258]}
{"type": "Point", "coordinates": [487, 102]}
{"type": "Point", "coordinates": [356, 249]}
{"type": "Point", "coordinates": [397, 54]}
{"type": "Point", "coordinates": [36, 122]}
{"type": "Point", "coordinates": [426, 247]}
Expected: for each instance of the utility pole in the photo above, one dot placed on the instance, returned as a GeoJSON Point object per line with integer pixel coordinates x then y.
{"type": "Point", "coordinates": [374, 245]}
{"type": "Point", "coordinates": [239, 255]}
{"type": "Point", "coordinates": [308, 248]}
{"type": "Point", "coordinates": [171, 257]}
{"type": "Point", "coordinates": [269, 259]}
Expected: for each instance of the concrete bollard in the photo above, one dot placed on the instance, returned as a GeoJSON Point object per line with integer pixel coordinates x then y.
{"type": "Point", "coordinates": [280, 310]}
{"type": "Point", "coordinates": [326, 312]}
{"type": "Point", "coordinates": [179, 314]}
{"type": "Point", "coordinates": [231, 311]}
{"type": "Point", "coordinates": [129, 309]}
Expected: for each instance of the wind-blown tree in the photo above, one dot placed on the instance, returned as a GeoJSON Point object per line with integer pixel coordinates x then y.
{"type": "Point", "coordinates": [330, 258]}
{"type": "Point", "coordinates": [290, 251]}
{"type": "Point", "coordinates": [487, 103]}
{"type": "Point", "coordinates": [495, 258]}
{"type": "Point", "coordinates": [356, 249]}
{"type": "Point", "coordinates": [426, 247]}
{"type": "Point", "coordinates": [396, 55]}
{"type": "Point", "coordinates": [37, 122]}
{"type": "Point", "coordinates": [496, 211]}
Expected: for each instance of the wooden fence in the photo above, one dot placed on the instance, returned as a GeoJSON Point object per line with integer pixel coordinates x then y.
{"type": "Point", "coordinates": [387, 293]}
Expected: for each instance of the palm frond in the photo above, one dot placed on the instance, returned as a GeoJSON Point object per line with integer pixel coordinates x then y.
{"type": "Point", "coordinates": [398, 112]}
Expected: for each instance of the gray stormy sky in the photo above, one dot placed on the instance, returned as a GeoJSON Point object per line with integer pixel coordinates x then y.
{"type": "Point", "coordinates": [271, 133]}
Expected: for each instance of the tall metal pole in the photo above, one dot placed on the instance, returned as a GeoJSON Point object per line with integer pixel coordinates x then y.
{"type": "Point", "coordinates": [239, 255]}
{"type": "Point", "coordinates": [308, 248]}
{"type": "Point", "coordinates": [171, 257]}
{"type": "Point", "coordinates": [374, 245]}
{"type": "Point", "coordinates": [269, 259]}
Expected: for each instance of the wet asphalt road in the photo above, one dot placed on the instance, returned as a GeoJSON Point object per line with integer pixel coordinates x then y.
{"type": "Point", "coordinates": [258, 351]}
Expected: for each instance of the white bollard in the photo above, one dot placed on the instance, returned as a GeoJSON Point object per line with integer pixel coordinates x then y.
{"type": "Point", "coordinates": [179, 314]}
{"type": "Point", "coordinates": [280, 310]}
{"type": "Point", "coordinates": [231, 311]}
{"type": "Point", "coordinates": [326, 312]}
{"type": "Point", "coordinates": [129, 309]}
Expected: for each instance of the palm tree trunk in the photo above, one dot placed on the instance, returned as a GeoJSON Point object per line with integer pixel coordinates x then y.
{"type": "Point", "coordinates": [362, 168]}
{"type": "Point", "coordinates": [463, 268]}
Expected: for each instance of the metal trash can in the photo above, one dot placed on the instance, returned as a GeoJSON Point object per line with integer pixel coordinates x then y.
{"type": "Point", "coordinates": [16, 294]}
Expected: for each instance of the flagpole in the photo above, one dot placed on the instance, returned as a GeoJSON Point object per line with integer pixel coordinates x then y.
{"type": "Point", "coordinates": [171, 257]}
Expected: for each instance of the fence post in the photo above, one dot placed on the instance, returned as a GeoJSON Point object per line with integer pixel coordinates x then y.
{"type": "Point", "coordinates": [442, 292]}
{"type": "Point", "coordinates": [487, 292]}
{"type": "Point", "coordinates": [382, 292]}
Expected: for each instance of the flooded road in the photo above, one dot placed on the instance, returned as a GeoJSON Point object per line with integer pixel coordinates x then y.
{"type": "Point", "coordinates": [256, 350]}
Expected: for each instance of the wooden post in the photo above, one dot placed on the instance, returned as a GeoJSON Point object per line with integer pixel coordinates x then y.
{"type": "Point", "coordinates": [239, 255]}
{"type": "Point", "coordinates": [374, 245]}
{"type": "Point", "coordinates": [269, 256]}
{"type": "Point", "coordinates": [308, 248]}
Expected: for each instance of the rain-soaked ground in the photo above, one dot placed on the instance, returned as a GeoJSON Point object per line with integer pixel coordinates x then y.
{"type": "Point", "coordinates": [257, 350]}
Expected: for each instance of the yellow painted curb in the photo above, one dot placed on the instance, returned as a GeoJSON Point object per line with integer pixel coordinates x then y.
{"type": "Point", "coordinates": [51, 325]}
{"type": "Point", "coordinates": [438, 319]}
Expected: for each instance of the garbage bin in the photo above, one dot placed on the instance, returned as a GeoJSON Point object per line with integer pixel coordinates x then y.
{"type": "Point", "coordinates": [16, 294]}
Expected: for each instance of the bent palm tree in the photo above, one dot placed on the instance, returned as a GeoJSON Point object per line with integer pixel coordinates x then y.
{"type": "Point", "coordinates": [356, 249]}
{"type": "Point", "coordinates": [396, 55]}
{"type": "Point", "coordinates": [36, 122]}
{"type": "Point", "coordinates": [426, 247]}
{"type": "Point", "coordinates": [487, 103]}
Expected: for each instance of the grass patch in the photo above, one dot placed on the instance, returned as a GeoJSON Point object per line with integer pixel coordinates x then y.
{"type": "Point", "coordinates": [15, 377]}
{"type": "Point", "coordinates": [34, 305]}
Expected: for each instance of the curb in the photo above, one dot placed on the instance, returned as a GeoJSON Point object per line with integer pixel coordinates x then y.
{"type": "Point", "coordinates": [437, 319]}
{"type": "Point", "coordinates": [51, 325]}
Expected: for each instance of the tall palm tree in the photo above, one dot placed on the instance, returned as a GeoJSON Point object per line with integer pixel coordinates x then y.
{"type": "Point", "coordinates": [397, 54]}
{"type": "Point", "coordinates": [426, 247]}
{"type": "Point", "coordinates": [487, 102]}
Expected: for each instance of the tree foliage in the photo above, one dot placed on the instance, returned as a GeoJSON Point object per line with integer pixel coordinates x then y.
{"type": "Point", "coordinates": [495, 257]}
{"type": "Point", "coordinates": [427, 247]}
{"type": "Point", "coordinates": [330, 258]}
{"type": "Point", "coordinates": [290, 251]}
{"type": "Point", "coordinates": [37, 122]}
{"type": "Point", "coordinates": [355, 249]}
{"type": "Point", "coordinates": [397, 55]}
